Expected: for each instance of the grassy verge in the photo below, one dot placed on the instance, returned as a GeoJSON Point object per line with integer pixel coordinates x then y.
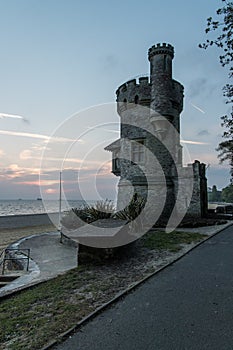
{"type": "Point", "coordinates": [33, 317]}
{"type": "Point", "coordinates": [170, 241]}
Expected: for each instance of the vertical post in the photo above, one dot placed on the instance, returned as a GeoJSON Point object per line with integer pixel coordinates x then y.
{"type": "Point", "coordinates": [60, 201]}
{"type": "Point", "coordinates": [59, 217]}
{"type": "Point", "coordinates": [28, 257]}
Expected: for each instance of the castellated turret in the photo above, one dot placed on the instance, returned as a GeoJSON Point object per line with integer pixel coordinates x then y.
{"type": "Point", "coordinates": [160, 92]}
{"type": "Point", "coordinates": [148, 155]}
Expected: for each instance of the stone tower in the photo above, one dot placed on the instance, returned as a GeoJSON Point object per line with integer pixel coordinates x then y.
{"type": "Point", "coordinates": [148, 155]}
{"type": "Point", "coordinates": [166, 93]}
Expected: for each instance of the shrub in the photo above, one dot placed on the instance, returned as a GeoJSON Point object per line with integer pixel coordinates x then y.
{"type": "Point", "coordinates": [101, 210]}
{"type": "Point", "coordinates": [88, 213]}
{"type": "Point", "coordinates": [132, 211]}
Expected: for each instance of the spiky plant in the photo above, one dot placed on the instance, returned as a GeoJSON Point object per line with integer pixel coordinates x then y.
{"type": "Point", "coordinates": [88, 213]}
{"type": "Point", "coordinates": [132, 211]}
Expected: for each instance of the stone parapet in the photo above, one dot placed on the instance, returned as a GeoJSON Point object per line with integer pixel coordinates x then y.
{"type": "Point", "coordinates": [159, 49]}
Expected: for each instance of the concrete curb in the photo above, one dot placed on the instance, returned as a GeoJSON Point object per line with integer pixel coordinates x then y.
{"type": "Point", "coordinates": [33, 272]}
{"type": "Point", "coordinates": [63, 336]}
{"type": "Point", "coordinates": [33, 277]}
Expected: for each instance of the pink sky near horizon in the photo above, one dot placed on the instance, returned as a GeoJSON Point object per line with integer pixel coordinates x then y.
{"type": "Point", "coordinates": [59, 58]}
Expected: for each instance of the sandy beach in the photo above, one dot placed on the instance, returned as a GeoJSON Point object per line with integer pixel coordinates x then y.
{"type": "Point", "coordinates": [12, 228]}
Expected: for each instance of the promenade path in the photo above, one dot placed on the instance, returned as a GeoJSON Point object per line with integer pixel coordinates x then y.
{"type": "Point", "coordinates": [18, 221]}
{"type": "Point", "coordinates": [188, 305]}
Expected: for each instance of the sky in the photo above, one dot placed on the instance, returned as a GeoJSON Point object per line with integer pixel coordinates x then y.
{"type": "Point", "coordinates": [61, 62]}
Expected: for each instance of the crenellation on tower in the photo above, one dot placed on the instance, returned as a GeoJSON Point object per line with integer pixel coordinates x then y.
{"type": "Point", "coordinates": [135, 91]}
{"type": "Point", "coordinates": [160, 91]}
{"type": "Point", "coordinates": [143, 80]}
{"type": "Point", "coordinates": [164, 98]}
{"type": "Point", "coordinates": [159, 49]}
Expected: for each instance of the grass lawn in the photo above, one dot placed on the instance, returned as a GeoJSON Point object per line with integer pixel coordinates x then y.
{"type": "Point", "coordinates": [31, 318]}
{"type": "Point", "coordinates": [169, 241]}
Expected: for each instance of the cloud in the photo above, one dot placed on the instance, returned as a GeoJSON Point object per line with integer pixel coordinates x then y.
{"type": "Point", "coordinates": [204, 132]}
{"type": "Point", "coordinates": [14, 116]}
{"type": "Point", "coordinates": [75, 163]}
{"type": "Point", "coordinates": [111, 130]}
{"type": "Point", "coordinates": [26, 154]}
{"type": "Point", "coordinates": [38, 182]}
{"type": "Point", "coordinates": [197, 108]}
{"type": "Point", "coordinates": [194, 142]}
{"type": "Point", "coordinates": [37, 136]}
{"type": "Point", "coordinates": [51, 191]}
{"type": "Point", "coordinates": [14, 171]}
{"type": "Point", "coordinates": [2, 153]}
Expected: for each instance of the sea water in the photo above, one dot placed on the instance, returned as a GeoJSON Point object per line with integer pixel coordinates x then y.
{"type": "Point", "coordinates": [22, 207]}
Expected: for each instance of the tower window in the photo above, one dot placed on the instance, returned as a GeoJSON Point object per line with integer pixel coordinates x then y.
{"type": "Point", "coordinates": [124, 104]}
{"type": "Point", "coordinates": [115, 161]}
{"type": "Point", "coordinates": [138, 151]}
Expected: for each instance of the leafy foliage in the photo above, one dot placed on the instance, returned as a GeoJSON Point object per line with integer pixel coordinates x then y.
{"type": "Point", "coordinates": [224, 41]}
{"type": "Point", "coordinates": [88, 213]}
{"type": "Point", "coordinates": [215, 195]}
{"type": "Point", "coordinates": [225, 148]}
{"type": "Point", "coordinates": [133, 210]}
{"type": "Point", "coordinates": [100, 210]}
{"type": "Point", "coordinates": [227, 194]}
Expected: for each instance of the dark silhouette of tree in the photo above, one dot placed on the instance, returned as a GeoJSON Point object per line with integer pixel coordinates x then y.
{"type": "Point", "coordinates": [223, 39]}
{"type": "Point", "coordinates": [227, 194]}
{"type": "Point", "coordinates": [215, 195]}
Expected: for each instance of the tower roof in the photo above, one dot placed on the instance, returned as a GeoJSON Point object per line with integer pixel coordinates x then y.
{"type": "Point", "coordinates": [161, 49]}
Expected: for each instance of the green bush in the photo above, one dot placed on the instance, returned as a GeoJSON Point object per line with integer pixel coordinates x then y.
{"type": "Point", "coordinates": [100, 210]}
{"type": "Point", "coordinates": [88, 213]}
{"type": "Point", "coordinates": [133, 210]}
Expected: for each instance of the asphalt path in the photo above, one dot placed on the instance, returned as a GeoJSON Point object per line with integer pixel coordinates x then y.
{"type": "Point", "coordinates": [30, 220]}
{"type": "Point", "coordinates": [188, 305]}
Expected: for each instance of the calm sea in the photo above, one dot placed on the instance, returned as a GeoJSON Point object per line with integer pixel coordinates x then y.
{"type": "Point", "coordinates": [20, 207]}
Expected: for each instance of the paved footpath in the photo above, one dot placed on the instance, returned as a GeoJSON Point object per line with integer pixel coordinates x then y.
{"type": "Point", "coordinates": [189, 305]}
{"type": "Point", "coordinates": [19, 221]}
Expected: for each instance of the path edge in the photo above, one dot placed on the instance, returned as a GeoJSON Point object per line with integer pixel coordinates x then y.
{"type": "Point", "coordinates": [61, 337]}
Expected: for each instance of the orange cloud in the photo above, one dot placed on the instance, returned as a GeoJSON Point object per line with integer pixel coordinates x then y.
{"type": "Point", "coordinates": [51, 191]}
{"type": "Point", "coordinates": [15, 171]}
{"type": "Point", "coordinates": [28, 183]}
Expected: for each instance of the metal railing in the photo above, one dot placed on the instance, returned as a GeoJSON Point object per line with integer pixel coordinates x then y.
{"type": "Point", "coordinates": [19, 256]}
